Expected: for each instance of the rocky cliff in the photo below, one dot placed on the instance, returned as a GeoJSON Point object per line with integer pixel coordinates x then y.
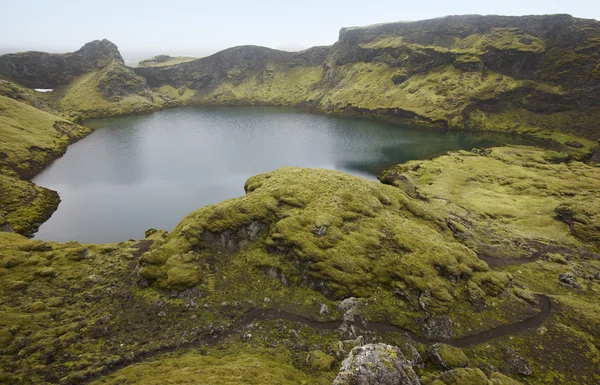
{"type": "Point", "coordinates": [519, 74]}
{"type": "Point", "coordinates": [532, 74]}
{"type": "Point", "coordinates": [45, 70]}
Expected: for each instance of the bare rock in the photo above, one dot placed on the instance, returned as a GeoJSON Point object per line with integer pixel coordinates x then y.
{"type": "Point", "coordinates": [376, 364]}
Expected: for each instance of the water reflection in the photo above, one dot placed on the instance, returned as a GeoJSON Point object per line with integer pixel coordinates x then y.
{"type": "Point", "coordinates": [134, 173]}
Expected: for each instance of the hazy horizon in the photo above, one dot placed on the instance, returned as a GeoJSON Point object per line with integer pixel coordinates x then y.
{"type": "Point", "coordinates": [199, 28]}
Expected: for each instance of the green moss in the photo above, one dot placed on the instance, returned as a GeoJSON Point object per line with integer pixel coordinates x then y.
{"type": "Point", "coordinates": [275, 85]}
{"type": "Point", "coordinates": [83, 98]}
{"type": "Point", "coordinates": [500, 379]}
{"type": "Point", "coordinates": [197, 369]}
{"type": "Point", "coordinates": [501, 39]}
{"type": "Point", "coordinates": [462, 376]}
{"type": "Point", "coordinates": [25, 205]}
{"type": "Point", "coordinates": [319, 361]}
{"type": "Point", "coordinates": [509, 194]}
{"type": "Point", "coordinates": [449, 357]}
{"type": "Point", "coordinates": [31, 138]}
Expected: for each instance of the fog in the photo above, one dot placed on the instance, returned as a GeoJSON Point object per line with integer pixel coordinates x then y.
{"type": "Point", "coordinates": [143, 29]}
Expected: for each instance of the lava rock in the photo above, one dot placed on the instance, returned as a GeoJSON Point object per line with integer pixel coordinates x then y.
{"type": "Point", "coordinates": [376, 364]}
{"type": "Point", "coordinates": [447, 357]}
{"type": "Point", "coordinates": [574, 144]}
{"type": "Point", "coordinates": [569, 279]}
{"type": "Point", "coordinates": [517, 364]}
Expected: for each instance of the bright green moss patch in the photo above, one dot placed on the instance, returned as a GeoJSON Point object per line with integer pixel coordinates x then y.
{"type": "Point", "coordinates": [84, 98]}
{"type": "Point", "coordinates": [31, 138]}
{"type": "Point", "coordinates": [511, 193]}
{"type": "Point", "coordinates": [501, 39]}
{"type": "Point", "coordinates": [319, 361]}
{"type": "Point", "coordinates": [23, 205]}
{"type": "Point", "coordinates": [193, 368]}
{"type": "Point", "coordinates": [275, 85]}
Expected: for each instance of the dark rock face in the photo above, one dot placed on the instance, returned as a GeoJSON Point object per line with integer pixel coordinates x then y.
{"type": "Point", "coordinates": [569, 279]}
{"type": "Point", "coordinates": [119, 81]}
{"type": "Point", "coordinates": [376, 364]}
{"type": "Point", "coordinates": [45, 70]}
{"type": "Point", "coordinates": [234, 63]}
{"type": "Point", "coordinates": [235, 239]}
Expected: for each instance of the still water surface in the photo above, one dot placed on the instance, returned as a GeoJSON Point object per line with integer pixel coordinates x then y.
{"type": "Point", "coordinates": [134, 173]}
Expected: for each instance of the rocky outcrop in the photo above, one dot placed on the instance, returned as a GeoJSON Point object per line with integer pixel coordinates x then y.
{"type": "Point", "coordinates": [231, 65]}
{"type": "Point", "coordinates": [376, 364]}
{"type": "Point", "coordinates": [45, 70]}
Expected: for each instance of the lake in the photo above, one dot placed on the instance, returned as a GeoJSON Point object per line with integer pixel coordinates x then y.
{"type": "Point", "coordinates": [138, 172]}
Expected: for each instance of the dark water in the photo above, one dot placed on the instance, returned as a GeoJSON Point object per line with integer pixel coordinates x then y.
{"type": "Point", "coordinates": [134, 173]}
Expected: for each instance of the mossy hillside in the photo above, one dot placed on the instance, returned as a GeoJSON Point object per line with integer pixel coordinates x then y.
{"type": "Point", "coordinates": [566, 348]}
{"type": "Point", "coordinates": [441, 94]}
{"type": "Point", "coordinates": [24, 205]}
{"type": "Point", "coordinates": [12, 90]}
{"type": "Point", "coordinates": [112, 90]}
{"type": "Point", "coordinates": [559, 126]}
{"type": "Point", "coordinates": [68, 311]}
{"type": "Point", "coordinates": [51, 333]}
{"type": "Point", "coordinates": [118, 81]}
{"type": "Point", "coordinates": [503, 202]}
{"type": "Point", "coordinates": [31, 138]}
{"type": "Point", "coordinates": [334, 233]}
{"type": "Point", "coordinates": [194, 368]}
{"type": "Point", "coordinates": [275, 85]}
{"type": "Point", "coordinates": [476, 43]}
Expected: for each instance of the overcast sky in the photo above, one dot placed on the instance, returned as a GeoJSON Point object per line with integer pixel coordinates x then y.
{"type": "Point", "coordinates": [197, 27]}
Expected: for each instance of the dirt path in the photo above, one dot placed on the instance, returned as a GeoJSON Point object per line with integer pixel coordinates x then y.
{"type": "Point", "coordinates": [252, 316]}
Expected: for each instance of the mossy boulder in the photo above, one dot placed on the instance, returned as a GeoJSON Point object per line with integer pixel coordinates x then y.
{"type": "Point", "coordinates": [447, 357]}
{"type": "Point", "coordinates": [319, 361]}
{"type": "Point", "coordinates": [376, 364]}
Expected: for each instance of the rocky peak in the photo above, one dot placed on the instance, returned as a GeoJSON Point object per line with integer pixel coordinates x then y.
{"type": "Point", "coordinates": [45, 70]}
{"type": "Point", "coordinates": [98, 51]}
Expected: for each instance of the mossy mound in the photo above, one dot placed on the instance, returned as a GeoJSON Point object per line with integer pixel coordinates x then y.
{"type": "Point", "coordinates": [30, 138]}
{"type": "Point", "coordinates": [337, 234]}
{"type": "Point", "coordinates": [118, 81]}
{"type": "Point", "coordinates": [511, 202]}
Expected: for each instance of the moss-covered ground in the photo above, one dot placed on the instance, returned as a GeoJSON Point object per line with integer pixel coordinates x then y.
{"type": "Point", "coordinates": [451, 247]}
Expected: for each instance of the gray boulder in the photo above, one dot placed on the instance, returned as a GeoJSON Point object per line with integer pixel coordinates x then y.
{"type": "Point", "coordinates": [376, 364]}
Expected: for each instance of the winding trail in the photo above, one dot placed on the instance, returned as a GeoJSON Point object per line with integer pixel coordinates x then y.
{"type": "Point", "coordinates": [255, 315]}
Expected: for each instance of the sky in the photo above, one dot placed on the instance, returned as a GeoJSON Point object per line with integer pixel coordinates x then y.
{"type": "Point", "coordinates": [146, 28]}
